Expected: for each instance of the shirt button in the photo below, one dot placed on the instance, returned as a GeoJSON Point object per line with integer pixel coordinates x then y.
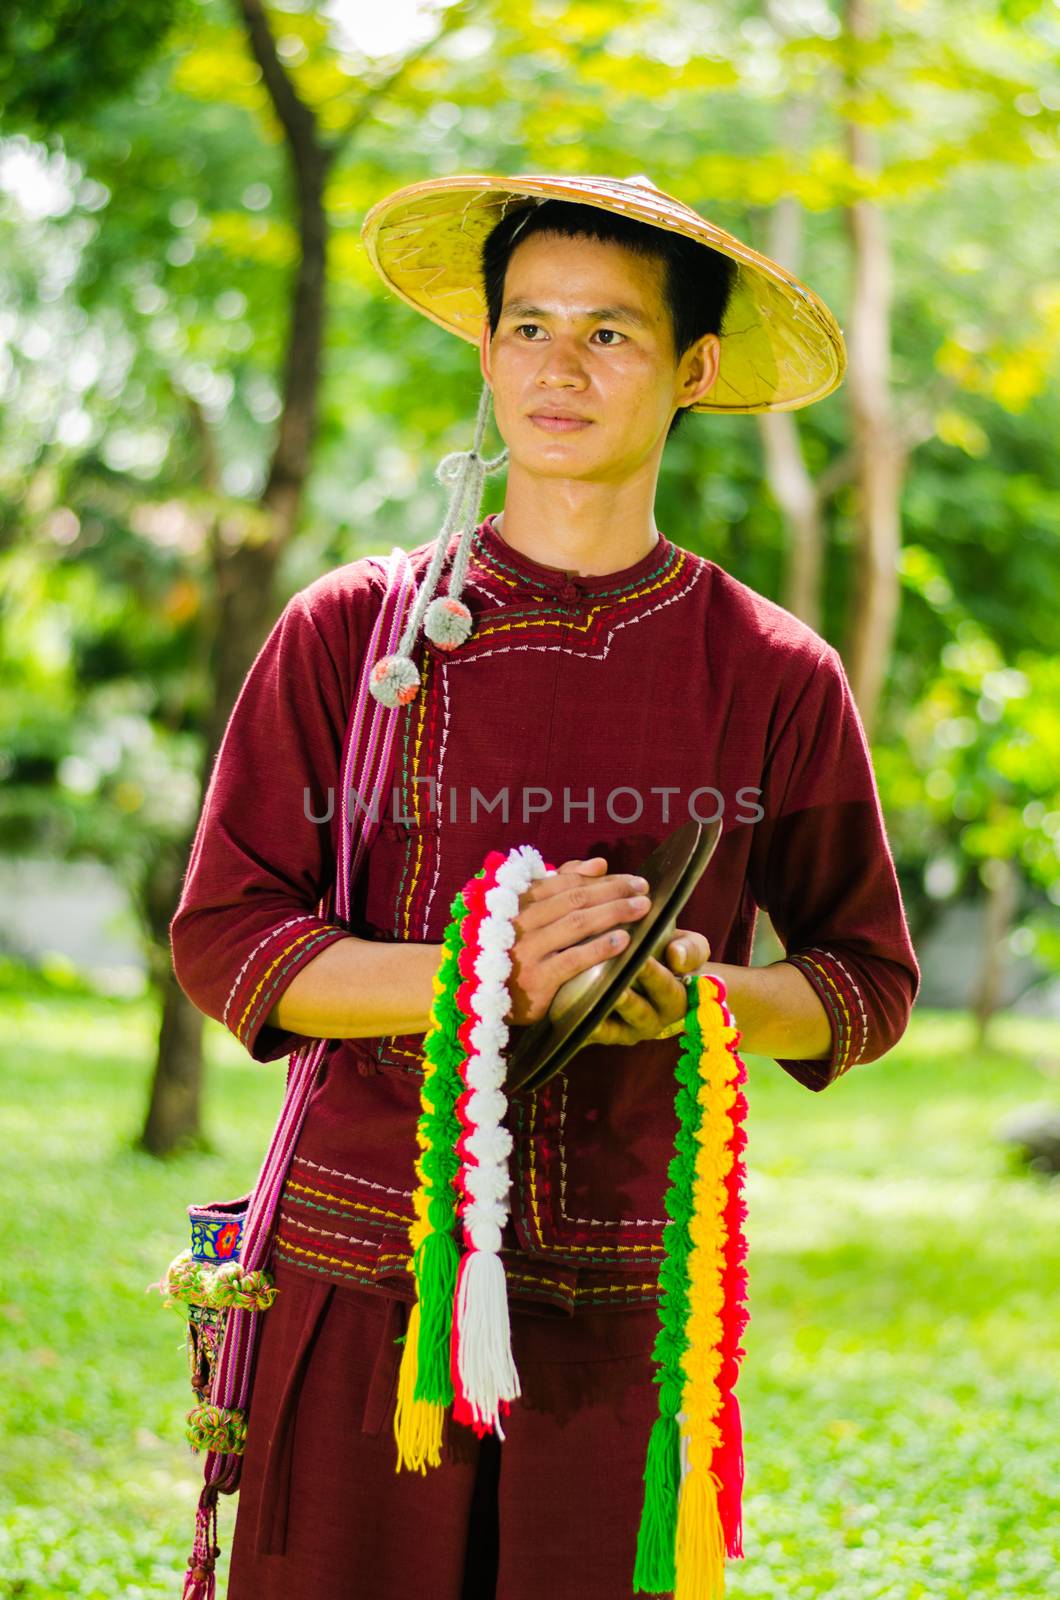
{"type": "Point", "coordinates": [569, 592]}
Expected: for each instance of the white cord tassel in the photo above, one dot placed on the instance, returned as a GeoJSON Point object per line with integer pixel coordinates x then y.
{"type": "Point", "coordinates": [395, 679]}
{"type": "Point", "coordinates": [484, 1361]}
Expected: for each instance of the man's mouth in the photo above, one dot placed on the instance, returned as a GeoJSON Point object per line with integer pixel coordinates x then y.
{"type": "Point", "coordinates": [559, 421]}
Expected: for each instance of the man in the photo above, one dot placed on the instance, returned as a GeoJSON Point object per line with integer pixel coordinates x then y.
{"type": "Point", "coordinates": [612, 685]}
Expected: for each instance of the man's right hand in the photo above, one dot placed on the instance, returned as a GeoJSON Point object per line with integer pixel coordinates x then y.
{"type": "Point", "coordinates": [566, 923]}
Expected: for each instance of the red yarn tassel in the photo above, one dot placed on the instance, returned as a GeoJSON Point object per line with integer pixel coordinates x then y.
{"type": "Point", "coordinates": [200, 1582]}
{"type": "Point", "coordinates": [727, 1463]}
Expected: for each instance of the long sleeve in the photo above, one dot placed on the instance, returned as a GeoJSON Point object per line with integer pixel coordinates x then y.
{"type": "Point", "coordinates": [260, 861]}
{"type": "Point", "coordinates": [822, 867]}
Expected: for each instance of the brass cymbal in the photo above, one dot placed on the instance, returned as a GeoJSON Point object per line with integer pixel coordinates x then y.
{"type": "Point", "coordinates": [673, 869]}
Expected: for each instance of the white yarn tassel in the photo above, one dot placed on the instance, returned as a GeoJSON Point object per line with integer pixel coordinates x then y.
{"type": "Point", "coordinates": [484, 1361]}
{"type": "Point", "coordinates": [484, 1349]}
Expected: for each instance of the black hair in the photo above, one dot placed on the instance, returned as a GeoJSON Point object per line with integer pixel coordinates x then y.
{"type": "Point", "coordinates": [697, 281]}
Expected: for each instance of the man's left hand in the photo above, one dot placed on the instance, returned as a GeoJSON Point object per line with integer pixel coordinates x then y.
{"type": "Point", "coordinates": [636, 1016]}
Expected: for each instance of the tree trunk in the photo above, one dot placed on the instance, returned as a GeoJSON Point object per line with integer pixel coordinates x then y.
{"type": "Point", "coordinates": [173, 1112]}
{"type": "Point", "coordinates": [878, 453]}
{"type": "Point", "coordinates": [245, 612]}
{"type": "Point", "coordinates": [246, 552]}
{"type": "Point", "coordinates": [790, 482]}
{"type": "Point", "coordinates": [1002, 886]}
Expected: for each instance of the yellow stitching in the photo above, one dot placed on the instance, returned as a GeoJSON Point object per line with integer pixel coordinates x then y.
{"type": "Point", "coordinates": [613, 1288]}
{"type": "Point", "coordinates": [338, 1261]}
{"type": "Point", "coordinates": [237, 1030]}
{"type": "Point", "coordinates": [566, 623]}
{"type": "Point", "coordinates": [589, 1222]}
{"type": "Point", "coordinates": [530, 1277]}
{"type": "Point", "coordinates": [533, 1170]}
{"type": "Point", "coordinates": [576, 1249]}
{"type": "Point", "coordinates": [843, 1062]}
{"type": "Point", "coordinates": [831, 956]}
{"type": "Point", "coordinates": [579, 1291]}
{"type": "Point", "coordinates": [417, 741]}
{"type": "Point", "coordinates": [669, 576]}
{"type": "Point", "coordinates": [358, 1205]}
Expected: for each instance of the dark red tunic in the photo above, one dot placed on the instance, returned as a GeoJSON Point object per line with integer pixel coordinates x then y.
{"type": "Point", "coordinates": [592, 714]}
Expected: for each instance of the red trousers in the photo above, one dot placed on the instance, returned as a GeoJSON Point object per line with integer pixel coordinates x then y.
{"type": "Point", "coordinates": [323, 1514]}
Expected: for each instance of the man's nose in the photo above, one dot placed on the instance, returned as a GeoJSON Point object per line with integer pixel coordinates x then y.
{"type": "Point", "coordinates": [562, 364]}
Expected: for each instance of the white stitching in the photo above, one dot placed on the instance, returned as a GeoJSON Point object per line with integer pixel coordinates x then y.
{"type": "Point", "coordinates": [457, 660]}
{"type": "Point", "coordinates": [353, 1178]}
{"type": "Point", "coordinates": [326, 1233]}
{"type": "Point", "coordinates": [590, 1222]}
{"type": "Point", "coordinates": [260, 945]}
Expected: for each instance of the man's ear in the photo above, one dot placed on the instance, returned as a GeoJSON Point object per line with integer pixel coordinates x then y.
{"type": "Point", "coordinates": [702, 361]}
{"type": "Point", "coordinates": [484, 350]}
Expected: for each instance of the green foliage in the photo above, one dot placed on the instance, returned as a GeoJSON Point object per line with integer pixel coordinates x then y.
{"type": "Point", "coordinates": [145, 303]}
{"type": "Point", "coordinates": [62, 59]}
{"type": "Point", "coordinates": [899, 1392]}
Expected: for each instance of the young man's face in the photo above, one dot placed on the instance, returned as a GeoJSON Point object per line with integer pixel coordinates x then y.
{"type": "Point", "coordinates": [551, 352]}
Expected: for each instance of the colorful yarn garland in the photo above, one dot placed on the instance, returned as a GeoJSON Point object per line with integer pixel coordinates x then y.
{"type": "Point", "coordinates": [693, 1475]}
{"type": "Point", "coordinates": [463, 1159]}
{"type": "Point", "coordinates": [458, 1345]}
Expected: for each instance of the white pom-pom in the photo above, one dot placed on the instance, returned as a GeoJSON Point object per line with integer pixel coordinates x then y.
{"type": "Point", "coordinates": [447, 622]}
{"type": "Point", "coordinates": [492, 965]}
{"type": "Point", "coordinates": [478, 1074]}
{"type": "Point", "coordinates": [502, 902]}
{"type": "Point", "coordinates": [394, 681]}
{"type": "Point", "coordinates": [485, 1105]}
{"type": "Point", "coordinates": [489, 1037]}
{"type": "Point", "coordinates": [489, 1145]}
{"type": "Point", "coordinates": [488, 1186]}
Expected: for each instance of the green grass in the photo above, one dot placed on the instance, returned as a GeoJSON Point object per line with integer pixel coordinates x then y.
{"type": "Point", "coordinates": [900, 1392]}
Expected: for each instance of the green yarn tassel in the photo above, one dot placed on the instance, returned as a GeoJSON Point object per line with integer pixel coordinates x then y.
{"type": "Point", "coordinates": [439, 1261]}
{"type": "Point", "coordinates": [655, 1568]}
{"type": "Point", "coordinates": [655, 1571]}
{"type": "Point", "coordinates": [438, 1258]}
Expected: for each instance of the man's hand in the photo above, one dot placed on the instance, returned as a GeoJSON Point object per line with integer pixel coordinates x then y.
{"type": "Point", "coordinates": [568, 921]}
{"type": "Point", "coordinates": [635, 1017]}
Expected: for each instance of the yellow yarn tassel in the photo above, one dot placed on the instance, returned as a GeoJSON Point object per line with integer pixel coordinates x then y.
{"type": "Point", "coordinates": [700, 1542]}
{"type": "Point", "coordinates": [417, 1423]}
{"type": "Point", "coordinates": [700, 1546]}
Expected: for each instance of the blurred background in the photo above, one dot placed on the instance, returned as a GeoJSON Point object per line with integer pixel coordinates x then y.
{"type": "Point", "coordinates": [207, 399]}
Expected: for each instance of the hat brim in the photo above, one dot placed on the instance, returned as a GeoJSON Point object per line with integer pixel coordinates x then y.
{"type": "Point", "coordinates": [781, 347]}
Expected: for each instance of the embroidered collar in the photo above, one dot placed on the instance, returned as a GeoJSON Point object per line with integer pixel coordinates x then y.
{"type": "Point", "coordinates": [493, 555]}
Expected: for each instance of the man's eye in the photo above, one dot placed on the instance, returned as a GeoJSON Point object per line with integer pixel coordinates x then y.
{"type": "Point", "coordinates": [613, 332]}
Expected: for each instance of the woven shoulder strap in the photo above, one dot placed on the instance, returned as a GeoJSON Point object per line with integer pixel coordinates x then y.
{"type": "Point", "coordinates": [367, 758]}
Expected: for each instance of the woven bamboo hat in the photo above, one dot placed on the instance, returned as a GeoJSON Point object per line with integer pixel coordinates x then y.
{"type": "Point", "coordinates": [781, 347]}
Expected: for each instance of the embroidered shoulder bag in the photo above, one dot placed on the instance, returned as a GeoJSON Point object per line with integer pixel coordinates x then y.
{"type": "Point", "coordinates": [222, 1279]}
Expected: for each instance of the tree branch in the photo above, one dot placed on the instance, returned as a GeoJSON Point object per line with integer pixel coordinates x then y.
{"type": "Point", "coordinates": [297, 119]}
{"type": "Point", "coordinates": [455, 16]}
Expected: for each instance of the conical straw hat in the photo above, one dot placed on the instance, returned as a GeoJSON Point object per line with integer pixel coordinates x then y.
{"type": "Point", "coordinates": [781, 347]}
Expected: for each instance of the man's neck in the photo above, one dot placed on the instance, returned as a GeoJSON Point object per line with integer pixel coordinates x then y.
{"type": "Point", "coordinates": [589, 539]}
